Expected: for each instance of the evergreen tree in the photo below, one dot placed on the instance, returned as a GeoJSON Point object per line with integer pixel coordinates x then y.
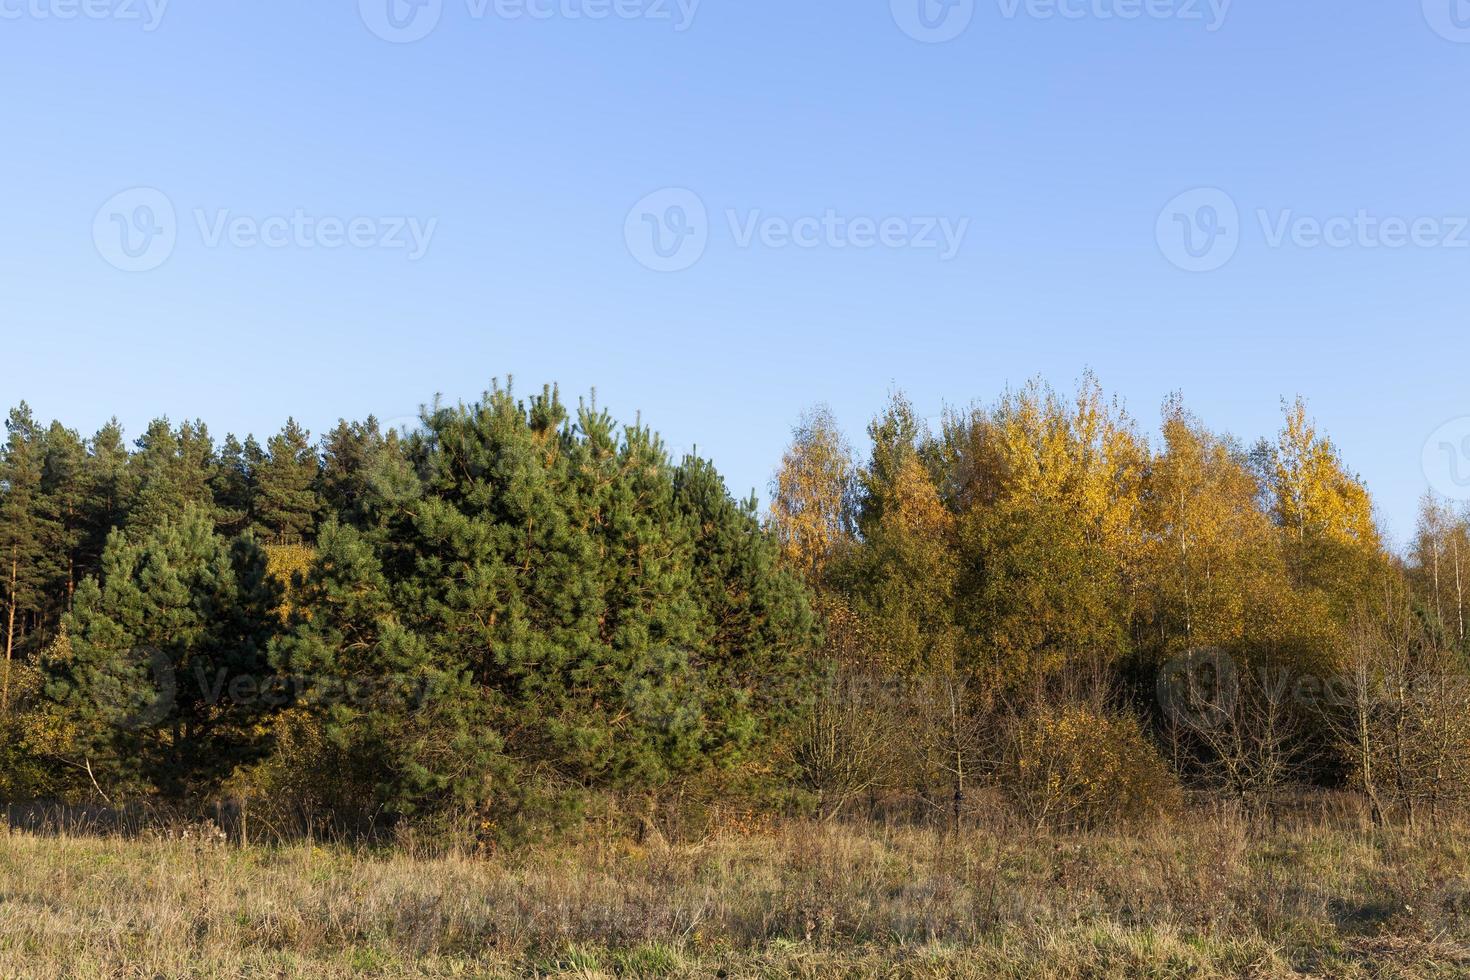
{"type": "Point", "coordinates": [416, 736]}
{"type": "Point", "coordinates": [167, 654]}
{"type": "Point", "coordinates": [350, 453]}
{"type": "Point", "coordinates": [756, 630]}
{"type": "Point", "coordinates": [233, 485]}
{"type": "Point", "coordinates": [110, 489]}
{"type": "Point", "coordinates": [287, 503]}
{"type": "Point", "coordinates": [22, 534]}
{"type": "Point", "coordinates": [559, 565]}
{"type": "Point", "coordinates": [64, 504]}
{"type": "Point", "coordinates": [175, 469]}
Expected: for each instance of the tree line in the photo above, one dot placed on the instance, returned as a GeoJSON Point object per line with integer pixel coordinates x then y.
{"type": "Point", "coordinates": [1086, 623]}
{"type": "Point", "coordinates": [520, 611]}
{"type": "Point", "coordinates": [477, 623]}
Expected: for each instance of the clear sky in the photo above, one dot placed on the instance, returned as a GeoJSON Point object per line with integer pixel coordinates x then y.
{"type": "Point", "coordinates": [849, 203]}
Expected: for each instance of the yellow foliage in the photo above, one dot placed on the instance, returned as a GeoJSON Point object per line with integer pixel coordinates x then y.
{"type": "Point", "coordinates": [1034, 448]}
{"type": "Point", "coordinates": [1073, 767]}
{"type": "Point", "coordinates": [284, 562]}
{"type": "Point", "coordinates": [32, 737]}
{"type": "Point", "coordinates": [917, 508]}
{"type": "Point", "coordinates": [1212, 558]}
{"type": "Point", "coordinates": [1314, 495]}
{"type": "Point", "coordinates": [913, 574]}
{"type": "Point", "coordinates": [809, 506]}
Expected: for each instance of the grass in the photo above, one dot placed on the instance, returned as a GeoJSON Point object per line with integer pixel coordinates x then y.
{"type": "Point", "coordinates": [1201, 898]}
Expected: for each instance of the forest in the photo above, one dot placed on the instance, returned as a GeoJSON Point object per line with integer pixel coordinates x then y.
{"type": "Point", "coordinates": [520, 618]}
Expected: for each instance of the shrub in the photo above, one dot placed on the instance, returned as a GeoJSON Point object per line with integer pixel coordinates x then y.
{"type": "Point", "coordinates": [307, 785]}
{"type": "Point", "coordinates": [25, 732]}
{"type": "Point", "coordinates": [1073, 767]}
{"type": "Point", "coordinates": [851, 743]}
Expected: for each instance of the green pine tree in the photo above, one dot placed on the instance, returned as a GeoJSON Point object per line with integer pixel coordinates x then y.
{"type": "Point", "coordinates": [415, 734]}
{"type": "Point", "coordinates": [174, 469]}
{"type": "Point", "coordinates": [287, 502]}
{"type": "Point", "coordinates": [24, 534]}
{"type": "Point", "coordinates": [234, 487]}
{"type": "Point", "coordinates": [64, 505]}
{"type": "Point", "coordinates": [110, 489]}
{"type": "Point", "coordinates": [168, 652]}
{"type": "Point", "coordinates": [625, 613]}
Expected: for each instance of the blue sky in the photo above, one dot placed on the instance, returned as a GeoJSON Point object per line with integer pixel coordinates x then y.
{"type": "Point", "coordinates": [298, 144]}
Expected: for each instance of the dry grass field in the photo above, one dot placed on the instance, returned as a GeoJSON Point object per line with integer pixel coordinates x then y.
{"type": "Point", "coordinates": [1204, 897]}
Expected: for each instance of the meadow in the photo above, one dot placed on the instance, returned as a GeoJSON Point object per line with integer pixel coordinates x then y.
{"type": "Point", "coordinates": [1210, 894]}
